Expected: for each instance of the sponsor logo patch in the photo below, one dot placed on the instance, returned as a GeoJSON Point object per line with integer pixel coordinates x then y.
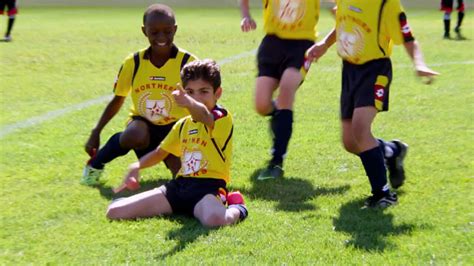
{"type": "Point", "coordinates": [192, 132]}
{"type": "Point", "coordinates": [157, 78]}
{"type": "Point", "coordinates": [355, 9]}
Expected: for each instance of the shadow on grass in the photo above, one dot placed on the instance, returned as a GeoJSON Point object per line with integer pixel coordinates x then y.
{"type": "Point", "coordinates": [190, 230]}
{"type": "Point", "coordinates": [368, 227]}
{"type": "Point", "coordinates": [145, 185]}
{"type": "Point", "coordinates": [291, 193]}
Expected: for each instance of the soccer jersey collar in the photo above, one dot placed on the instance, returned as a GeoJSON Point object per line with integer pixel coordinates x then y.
{"type": "Point", "coordinates": [174, 52]}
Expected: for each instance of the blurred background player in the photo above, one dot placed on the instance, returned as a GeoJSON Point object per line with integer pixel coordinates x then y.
{"type": "Point", "coordinates": [203, 141]}
{"type": "Point", "coordinates": [290, 28]}
{"type": "Point", "coordinates": [12, 10]}
{"type": "Point", "coordinates": [447, 8]}
{"type": "Point", "coordinates": [365, 32]}
{"type": "Point", "coordinates": [150, 75]}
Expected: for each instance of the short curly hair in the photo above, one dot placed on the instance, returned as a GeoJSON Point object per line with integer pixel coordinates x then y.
{"type": "Point", "coordinates": [206, 69]}
{"type": "Point", "coordinates": [159, 9]}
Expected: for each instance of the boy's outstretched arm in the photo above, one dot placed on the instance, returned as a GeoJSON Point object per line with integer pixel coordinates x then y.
{"type": "Point", "coordinates": [414, 51]}
{"type": "Point", "coordinates": [247, 23]}
{"type": "Point", "coordinates": [110, 111]}
{"type": "Point", "coordinates": [198, 111]}
{"type": "Point", "coordinates": [320, 48]}
{"type": "Point", "coordinates": [152, 158]}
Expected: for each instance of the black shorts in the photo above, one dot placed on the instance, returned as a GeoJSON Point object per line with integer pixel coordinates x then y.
{"type": "Point", "coordinates": [365, 85]}
{"type": "Point", "coordinates": [10, 5]}
{"type": "Point", "coordinates": [275, 55]}
{"type": "Point", "coordinates": [447, 5]}
{"type": "Point", "coordinates": [183, 193]}
{"type": "Point", "coordinates": [157, 135]}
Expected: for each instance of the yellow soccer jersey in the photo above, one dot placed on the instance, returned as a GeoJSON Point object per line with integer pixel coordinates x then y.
{"type": "Point", "coordinates": [291, 19]}
{"type": "Point", "coordinates": [366, 30]}
{"type": "Point", "coordinates": [150, 87]}
{"type": "Point", "coordinates": [204, 152]}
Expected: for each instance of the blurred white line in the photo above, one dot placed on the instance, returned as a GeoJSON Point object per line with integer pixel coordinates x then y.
{"type": "Point", "coordinates": [8, 129]}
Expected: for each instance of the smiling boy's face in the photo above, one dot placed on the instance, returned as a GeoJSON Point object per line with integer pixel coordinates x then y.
{"type": "Point", "coordinates": [202, 91]}
{"type": "Point", "coordinates": [160, 30]}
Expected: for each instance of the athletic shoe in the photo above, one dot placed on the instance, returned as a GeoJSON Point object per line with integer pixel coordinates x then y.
{"type": "Point", "coordinates": [383, 201]}
{"type": "Point", "coordinates": [242, 209]}
{"type": "Point", "coordinates": [91, 176]}
{"type": "Point", "coordinates": [7, 39]}
{"type": "Point", "coordinates": [459, 36]}
{"type": "Point", "coordinates": [272, 171]}
{"type": "Point", "coordinates": [395, 165]}
{"type": "Point", "coordinates": [446, 36]}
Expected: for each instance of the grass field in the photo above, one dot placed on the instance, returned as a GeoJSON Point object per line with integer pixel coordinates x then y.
{"type": "Point", "coordinates": [62, 58]}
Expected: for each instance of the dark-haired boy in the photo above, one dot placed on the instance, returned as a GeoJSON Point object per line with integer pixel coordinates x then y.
{"type": "Point", "coordinates": [203, 141]}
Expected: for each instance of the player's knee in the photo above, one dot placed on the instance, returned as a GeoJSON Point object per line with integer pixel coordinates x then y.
{"type": "Point", "coordinates": [113, 212]}
{"type": "Point", "coordinates": [360, 132]}
{"type": "Point", "coordinates": [349, 146]}
{"type": "Point", "coordinates": [213, 219]}
{"type": "Point", "coordinates": [263, 109]}
{"type": "Point", "coordinates": [134, 140]}
{"type": "Point", "coordinates": [447, 15]}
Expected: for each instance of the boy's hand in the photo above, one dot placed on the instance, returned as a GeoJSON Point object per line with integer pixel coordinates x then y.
{"type": "Point", "coordinates": [131, 179]}
{"type": "Point", "coordinates": [316, 51]}
{"type": "Point", "coordinates": [92, 143]}
{"type": "Point", "coordinates": [426, 74]}
{"type": "Point", "coordinates": [247, 24]}
{"type": "Point", "coordinates": [180, 96]}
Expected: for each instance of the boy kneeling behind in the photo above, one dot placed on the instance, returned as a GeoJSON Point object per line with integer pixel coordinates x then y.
{"type": "Point", "coordinates": [203, 141]}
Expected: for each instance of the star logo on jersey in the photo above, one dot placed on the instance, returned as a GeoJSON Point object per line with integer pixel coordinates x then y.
{"type": "Point", "coordinates": [289, 11]}
{"type": "Point", "coordinates": [155, 110]}
{"type": "Point", "coordinates": [192, 162]}
{"type": "Point", "coordinates": [350, 43]}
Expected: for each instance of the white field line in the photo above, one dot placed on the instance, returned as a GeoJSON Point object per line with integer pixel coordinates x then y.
{"type": "Point", "coordinates": [8, 129]}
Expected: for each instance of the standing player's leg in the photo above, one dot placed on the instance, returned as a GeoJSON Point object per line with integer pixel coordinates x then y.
{"type": "Point", "coordinates": [265, 106]}
{"type": "Point", "coordinates": [146, 204]}
{"type": "Point", "coordinates": [394, 152]}
{"type": "Point", "coordinates": [457, 29]}
{"type": "Point", "coordinates": [135, 136]}
{"type": "Point", "coordinates": [282, 119]}
{"type": "Point", "coordinates": [264, 88]}
{"type": "Point", "coordinates": [12, 11]}
{"type": "Point", "coordinates": [371, 156]}
{"type": "Point", "coordinates": [212, 213]}
{"type": "Point", "coordinates": [447, 7]}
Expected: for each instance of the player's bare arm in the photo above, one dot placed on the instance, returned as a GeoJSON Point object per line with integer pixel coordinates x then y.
{"type": "Point", "coordinates": [247, 23]}
{"type": "Point", "coordinates": [110, 111]}
{"type": "Point", "coordinates": [198, 111]}
{"type": "Point", "coordinates": [422, 70]}
{"type": "Point", "coordinates": [319, 49]}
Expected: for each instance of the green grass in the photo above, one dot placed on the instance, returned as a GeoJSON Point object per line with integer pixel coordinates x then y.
{"type": "Point", "coordinates": [64, 56]}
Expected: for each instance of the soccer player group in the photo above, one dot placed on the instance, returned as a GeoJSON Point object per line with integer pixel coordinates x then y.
{"type": "Point", "coordinates": [175, 117]}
